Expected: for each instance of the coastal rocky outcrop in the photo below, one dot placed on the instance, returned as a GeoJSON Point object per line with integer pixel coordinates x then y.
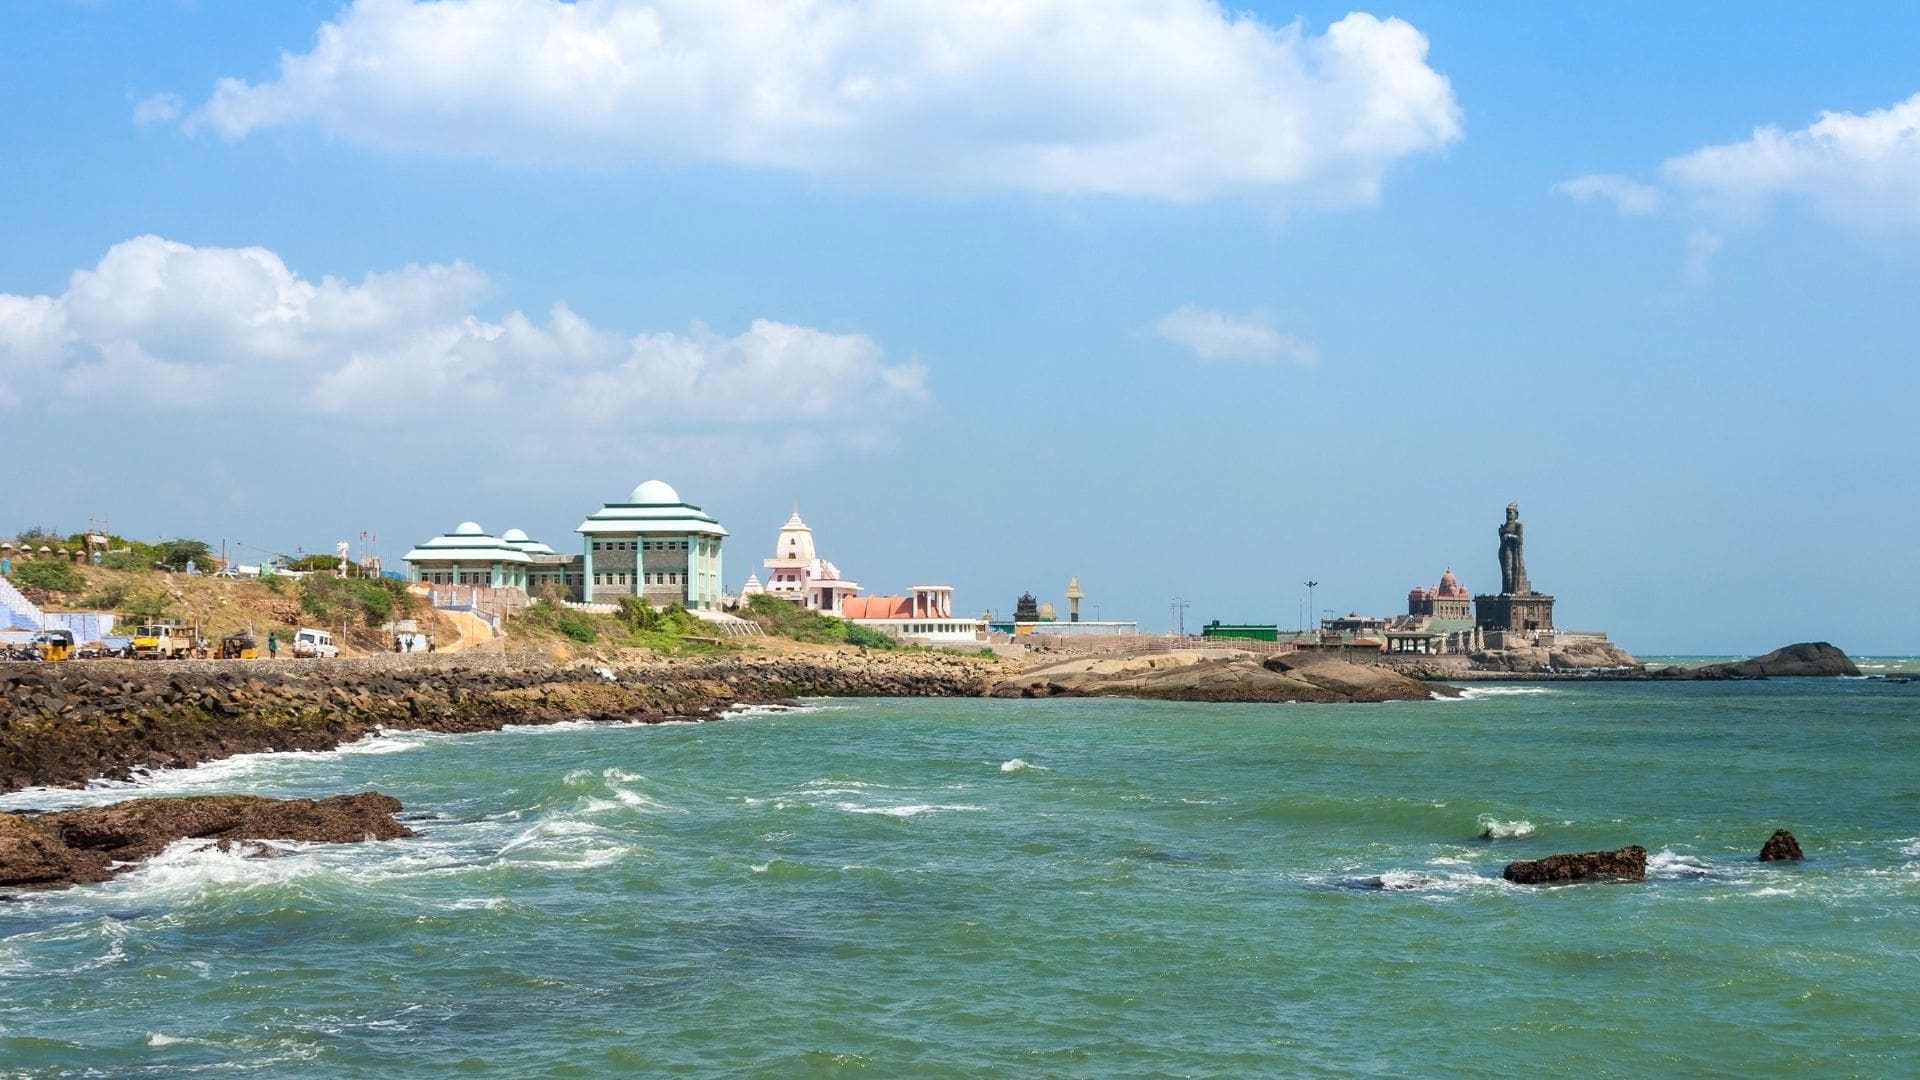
{"type": "Point", "coordinates": [1626, 864]}
{"type": "Point", "coordinates": [72, 722]}
{"type": "Point", "coordinates": [1567, 653]}
{"type": "Point", "coordinates": [1204, 676]}
{"type": "Point", "coordinates": [1781, 847]}
{"type": "Point", "coordinates": [1808, 659]}
{"type": "Point", "coordinates": [73, 847]}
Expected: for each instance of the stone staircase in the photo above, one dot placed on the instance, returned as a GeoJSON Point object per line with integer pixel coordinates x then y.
{"type": "Point", "coordinates": [17, 612]}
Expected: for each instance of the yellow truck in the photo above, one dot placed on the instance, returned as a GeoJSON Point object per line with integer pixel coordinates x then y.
{"type": "Point", "coordinates": [167, 641]}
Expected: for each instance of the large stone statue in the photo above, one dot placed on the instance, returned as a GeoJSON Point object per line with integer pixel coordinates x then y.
{"type": "Point", "coordinates": [1513, 563]}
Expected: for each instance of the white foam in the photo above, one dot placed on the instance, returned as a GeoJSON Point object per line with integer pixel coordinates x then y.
{"type": "Point", "coordinates": [1665, 864]}
{"type": "Point", "coordinates": [1910, 847]}
{"type": "Point", "coordinates": [1020, 765]}
{"type": "Point", "coordinates": [1471, 693]}
{"type": "Point", "coordinates": [906, 811]}
{"type": "Point", "coordinates": [1493, 828]}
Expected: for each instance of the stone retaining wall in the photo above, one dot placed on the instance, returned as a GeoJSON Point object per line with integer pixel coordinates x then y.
{"type": "Point", "coordinates": [70, 722]}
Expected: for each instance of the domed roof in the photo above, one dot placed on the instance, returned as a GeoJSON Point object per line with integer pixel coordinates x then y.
{"type": "Point", "coordinates": [654, 493]}
{"type": "Point", "coordinates": [1448, 581]}
{"type": "Point", "coordinates": [515, 536]}
{"type": "Point", "coordinates": [469, 528]}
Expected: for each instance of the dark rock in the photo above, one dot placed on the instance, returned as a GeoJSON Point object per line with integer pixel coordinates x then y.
{"type": "Point", "coordinates": [1626, 864]}
{"type": "Point", "coordinates": [93, 844]}
{"type": "Point", "coordinates": [1780, 846]}
{"type": "Point", "coordinates": [1809, 659]}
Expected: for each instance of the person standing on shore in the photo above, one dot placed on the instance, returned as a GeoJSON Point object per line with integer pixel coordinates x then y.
{"type": "Point", "coordinates": [273, 646]}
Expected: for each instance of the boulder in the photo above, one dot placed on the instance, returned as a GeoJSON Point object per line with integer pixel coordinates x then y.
{"type": "Point", "coordinates": [1626, 864]}
{"type": "Point", "coordinates": [93, 844]}
{"type": "Point", "coordinates": [1808, 659]}
{"type": "Point", "coordinates": [1781, 846]}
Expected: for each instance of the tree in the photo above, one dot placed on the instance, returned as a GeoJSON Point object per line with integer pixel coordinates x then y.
{"type": "Point", "coordinates": [175, 554]}
{"type": "Point", "coordinates": [149, 605]}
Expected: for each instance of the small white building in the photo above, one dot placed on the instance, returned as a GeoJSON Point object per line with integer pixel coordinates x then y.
{"type": "Point", "coordinates": [924, 615]}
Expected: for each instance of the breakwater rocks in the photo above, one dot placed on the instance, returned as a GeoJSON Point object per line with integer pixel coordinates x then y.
{"type": "Point", "coordinates": [1781, 847]}
{"type": "Point", "coordinates": [72, 722]}
{"type": "Point", "coordinates": [77, 846]}
{"type": "Point", "coordinates": [1626, 864]}
{"type": "Point", "coordinates": [1199, 676]}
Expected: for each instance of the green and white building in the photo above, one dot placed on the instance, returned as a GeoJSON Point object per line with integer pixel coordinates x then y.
{"type": "Point", "coordinates": [653, 545]}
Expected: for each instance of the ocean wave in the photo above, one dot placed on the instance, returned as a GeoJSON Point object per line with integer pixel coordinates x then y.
{"type": "Point", "coordinates": [1492, 828]}
{"type": "Point", "coordinates": [907, 810]}
{"type": "Point", "coordinates": [1666, 864]}
{"type": "Point", "coordinates": [1473, 693]}
{"type": "Point", "coordinates": [1910, 847]}
{"type": "Point", "coordinates": [1020, 765]}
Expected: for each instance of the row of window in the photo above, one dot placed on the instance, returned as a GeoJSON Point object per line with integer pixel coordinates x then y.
{"type": "Point", "coordinates": [642, 545]}
{"type": "Point", "coordinates": [651, 579]}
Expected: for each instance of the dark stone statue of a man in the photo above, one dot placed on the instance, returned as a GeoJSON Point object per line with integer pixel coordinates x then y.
{"type": "Point", "coordinates": [1513, 563]}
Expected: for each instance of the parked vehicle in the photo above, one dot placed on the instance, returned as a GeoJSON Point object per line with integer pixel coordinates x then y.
{"type": "Point", "coordinates": [167, 641]}
{"type": "Point", "coordinates": [240, 646]}
{"type": "Point", "coordinates": [310, 643]}
{"type": "Point", "coordinates": [56, 644]}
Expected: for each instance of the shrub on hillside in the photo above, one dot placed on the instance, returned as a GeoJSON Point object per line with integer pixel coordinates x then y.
{"type": "Point", "coordinates": [784, 618]}
{"type": "Point", "coordinates": [50, 575]}
{"type": "Point", "coordinates": [148, 605]}
{"type": "Point", "coordinates": [372, 600]}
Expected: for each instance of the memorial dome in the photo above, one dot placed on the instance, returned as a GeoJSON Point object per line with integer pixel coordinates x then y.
{"type": "Point", "coordinates": [515, 536]}
{"type": "Point", "coordinates": [655, 493]}
{"type": "Point", "coordinates": [469, 528]}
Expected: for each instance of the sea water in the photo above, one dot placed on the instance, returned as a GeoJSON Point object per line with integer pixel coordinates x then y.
{"type": "Point", "coordinates": [1078, 888]}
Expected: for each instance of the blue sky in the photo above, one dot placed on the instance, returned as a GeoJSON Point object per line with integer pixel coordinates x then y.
{"type": "Point", "coordinates": [1184, 300]}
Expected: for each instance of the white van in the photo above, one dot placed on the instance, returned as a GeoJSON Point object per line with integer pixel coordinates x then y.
{"type": "Point", "coordinates": [308, 642]}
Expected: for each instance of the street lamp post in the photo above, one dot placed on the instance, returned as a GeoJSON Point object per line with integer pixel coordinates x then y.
{"type": "Point", "coordinates": [1180, 614]}
{"type": "Point", "coordinates": [1310, 608]}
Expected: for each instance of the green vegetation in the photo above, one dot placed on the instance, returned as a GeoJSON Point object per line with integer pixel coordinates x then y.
{"type": "Point", "coordinates": [125, 559]}
{"type": "Point", "coordinates": [373, 600]}
{"type": "Point", "coordinates": [549, 614]}
{"type": "Point", "coordinates": [176, 554]}
{"type": "Point", "coordinates": [147, 605]}
{"type": "Point", "coordinates": [635, 624]}
{"type": "Point", "coordinates": [52, 575]}
{"type": "Point", "coordinates": [110, 597]}
{"type": "Point", "coordinates": [784, 618]}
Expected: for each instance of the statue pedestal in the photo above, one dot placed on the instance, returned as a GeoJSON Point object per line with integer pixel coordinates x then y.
{"type": "Point", "coordinates": [1513, 611]}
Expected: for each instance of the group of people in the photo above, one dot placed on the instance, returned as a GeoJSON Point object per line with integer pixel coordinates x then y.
{"type": "Point", "coordinates": [410, 643]}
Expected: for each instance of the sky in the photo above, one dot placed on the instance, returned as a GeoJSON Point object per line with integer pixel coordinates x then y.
{"type": "Point", "coordinates": [1190, 301]}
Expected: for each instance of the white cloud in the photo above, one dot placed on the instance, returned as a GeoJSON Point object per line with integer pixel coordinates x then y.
{"type": "Point", "coordinates": [165, 322]}
{"type": "Point", "coordinates": [1702, 246]}
{"type": "Point", "coordinates": [158, 109]}
{"type": "Point", "coordinates": [1165, 99]}
{"type": "Point", "coordinates": [1629, 196]}
{"type": "Point", "coordinates": [1860, 169]}
{"type": "Point", "coordinates": [1214, 335]}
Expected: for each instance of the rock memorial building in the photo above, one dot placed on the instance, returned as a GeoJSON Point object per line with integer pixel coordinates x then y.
{"type": "Point", "coordinates": [652, 545]}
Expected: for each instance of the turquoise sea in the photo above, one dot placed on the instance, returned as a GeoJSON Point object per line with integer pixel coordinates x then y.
{"type": "Point", "coordinates": [961, 888]}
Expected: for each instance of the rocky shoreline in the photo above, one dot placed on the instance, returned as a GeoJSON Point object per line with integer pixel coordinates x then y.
{"type": "Point", "coordinates": [66, 724]}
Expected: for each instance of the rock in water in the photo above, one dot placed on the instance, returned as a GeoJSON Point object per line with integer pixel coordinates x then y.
{"type": "Point", "coordinates": [1808, 659]}
{"type": "Point", "coordinates": [1626, 864]}
{"type": "Point", "coordinates": [95, 843]}
{"type": "Point", "coordinates": [1780, 846]}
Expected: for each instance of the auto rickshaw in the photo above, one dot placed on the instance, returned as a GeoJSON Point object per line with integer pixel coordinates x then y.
{"type": "Point", "coordinates": [54, 644]}
{"type": "Point", "coordinates": [240, 646]}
